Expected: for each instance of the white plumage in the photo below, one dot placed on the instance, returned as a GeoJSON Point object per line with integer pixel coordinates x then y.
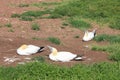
{"type": "Point", "coordinates": [62, 56]}
{"type": "Point", "coordinates": [29, 49]}
{"type": "Point", "coordinates": [89, 35]}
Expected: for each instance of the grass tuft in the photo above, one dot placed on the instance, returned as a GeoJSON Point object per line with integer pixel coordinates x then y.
{"type": "Point", "coordinates": [42, 4]}
{"type": "Point", "coordinates": [10, 30]}
{"type": "Point", "coordinates": [79, 23]}
{"type": "Point", "coordinates": [23, 5]}
{"type": "Point", "coordinates": [36, 38]}
{"type": "Point", "coordinates": [8, 25]}
{"type": "Point", "coordinates": [35, 14]}
{"type": "Point", "coordinates": [115, 24]}
{"type": "Point", "coordinates": [39, 59]}
{"type": "Point", "coordinates": [35, 26]}
{"type": "Point", "coordinates": [109, 38]}
{"type": "Point", "coordinates": [77, 36]}
{"type": "Point", "coordinates": [54, 40]}
{"type": "Point", "coordinates": [26, 18]}
{"type": "Point", "coordinates": [15, 15]}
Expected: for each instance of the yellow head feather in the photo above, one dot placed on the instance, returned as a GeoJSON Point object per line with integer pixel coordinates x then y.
{"type": "Point", "coordinates": [86, 33]}
{"type": "Point", "coordinates": [23, 47]}
{"type": "Point", "coordinates": [54, 51]}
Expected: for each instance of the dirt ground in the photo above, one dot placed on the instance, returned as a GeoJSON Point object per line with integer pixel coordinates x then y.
{"type": "Point", "coordinates": [22, 34]}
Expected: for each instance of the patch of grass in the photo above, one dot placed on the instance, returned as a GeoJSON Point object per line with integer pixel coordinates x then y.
{"type": "Point", "coordinates": [115, 24]}
{"type": "Point", "coordinates": [8, 25]}
{"type": "Point", "coordinates": [35, 14]}
{"type": "Point", "coordinates": [10, 30]}
{"type": "Point", "coordinates": [102, 11]}
{"type": "Point", "coordinates": [77, 36]}
{"type": "Point", "coordinates": [41, 4]}
{"type": "Point", "coordinates": [65, 24]}
{"type": "Point", "coordinates": [102, 37]}
{"type": "Point", "coordinates": [26, 18]}
{"type": "Point", "coordinates": [54, 40]}
{"type": "Point", "coordinates": [53, 16]}
{"type": "Point", "coordinates": [112, 49]}
{"type": "Point", "coordinates": [23, 5]}
{"type": "Point", "coordinates": [35, 26]}
{"type": "Point", "coordinates": [43, 71]}
{"type": "Point", "coordinates": [109, 38]}
{"type": "Point", "coordinates": [39, 59]}
{"type": "Point", "coordinates": [31, 15]}
{"type": "Point", "coordinates": [36, 38]}
{"type": "Point", "coordinates": [79, 23]}
{"type": "Point", "coordinates": [15, 15]}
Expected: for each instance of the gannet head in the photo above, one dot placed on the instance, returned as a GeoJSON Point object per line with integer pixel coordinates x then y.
{"type": "Point", "coordinates": [23, 47]}
{"type": "Point", "coordinates": [86, 33]}
{"type": "Point", "coordinates": [53, 50]}
{"type": "Point", "coordinates": [85, 36]}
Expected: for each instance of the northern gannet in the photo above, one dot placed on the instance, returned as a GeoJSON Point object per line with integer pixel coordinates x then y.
{"type": "Point", "coordinates": [62, 56]}
{"type": "Point", "coordinates": [29, 49]}
{"type": "Point", "coordinates": [89, 35]}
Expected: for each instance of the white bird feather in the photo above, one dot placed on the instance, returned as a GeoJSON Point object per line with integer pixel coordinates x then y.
{"type": "Point", "coordinates": [29, 49]}
{"type": "Point", "coordinates": [89, 35]}
{"type": "Point", "coordinates": [62, 56]}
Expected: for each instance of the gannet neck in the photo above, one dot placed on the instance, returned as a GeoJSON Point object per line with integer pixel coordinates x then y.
{"type": "Point", "coordinates": [23, 47]}
{"type": "Point", "coordinates": [54, 51]}
{"type": "Point", "coordinates": [86, 33]}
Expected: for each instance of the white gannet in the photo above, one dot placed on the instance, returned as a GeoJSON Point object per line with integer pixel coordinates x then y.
{"type": "Point", "coordinates": [29, 49]}
{"type": "Point", "coordinates": [89, 35]}
{"type": "Point", "coordinates": [62, 56]}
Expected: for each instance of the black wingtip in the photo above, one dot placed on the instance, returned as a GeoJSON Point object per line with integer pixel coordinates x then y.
{"type": "Point", "coordinates": [41, 49]}
{"type": "Point", "coordinates": [83, 41]}
{"type": "Point", "coordinates": [95, 34]}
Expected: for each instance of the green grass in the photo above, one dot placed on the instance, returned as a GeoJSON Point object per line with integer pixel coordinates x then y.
{"type": "Point", "coordinates": [38, 59]}
{"type": "Point", "coordinates": [44, 71]}
{"type": "Point", "coordinates": [102, 11]}
{"type": "Point", "coordinates": [65, 24]}
{"type": "Point", "coordinates": [54, 40]}
{"type": "Point", "coordinates": [41, 4]}
{"type": "Point", "coordinates": [8, 25]}
{"type": "Point", "coordinates": [115, 24]}
{"type": "Point", "coordinates": [23, 5]}
{"type": "Point", "coordinates": [36, 38]}
{"type": "Point", "coordinates": [79, 23]}
{"type": "Point", "coordinates": [15, 15]}
{"type": "Point", "coordinates": [26, 18]}
{"type": "Point", "coordinates": [35, 14]}
{"type": "Point", "coordinates": [31, 15]}
{"type": "Point", "coordinates": [77, 36]}
{"type": "Point", "coordinates": [35, 26]}
{"type": "Point", "coordinates": [113, 48]}
{"type": "Point", "coordinates": [109, 38]}
{"type": "Point", "coordinates": [10, 30]}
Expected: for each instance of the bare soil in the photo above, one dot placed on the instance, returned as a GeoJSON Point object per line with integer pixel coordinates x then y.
{"type": "Point", "coordinates": [22, 34]}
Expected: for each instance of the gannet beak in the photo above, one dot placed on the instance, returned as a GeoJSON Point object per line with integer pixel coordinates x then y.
{"type": "Point", "coordinates": [50, 48]}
